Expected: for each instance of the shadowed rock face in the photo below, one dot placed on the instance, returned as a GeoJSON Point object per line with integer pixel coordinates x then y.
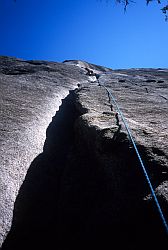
{"type": "Point", "coordinates": [30, 94]}
{"type": "Point", "coordinates": [84, 185]}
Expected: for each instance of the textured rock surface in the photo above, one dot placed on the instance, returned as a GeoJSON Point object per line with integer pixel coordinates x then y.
{"type": "Point", "coordinates": [142, 95]}
{"type": "Point", "coordinates": [86, 187]}
{"type": "Point", "coordinates": [30, 94]}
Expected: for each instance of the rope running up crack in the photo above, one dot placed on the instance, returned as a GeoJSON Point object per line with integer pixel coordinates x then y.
{"type": "Point", "coordinates": [139, 157]}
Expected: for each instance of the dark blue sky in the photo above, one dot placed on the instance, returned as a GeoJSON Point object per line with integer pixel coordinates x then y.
{"type": "Point", "coordinates": [89, 30]}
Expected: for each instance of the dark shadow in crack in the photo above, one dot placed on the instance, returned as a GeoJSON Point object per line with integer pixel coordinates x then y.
{"type": "Point", "coordinates": [35, 212]}
{"type": "Point", "coordinates": [71, 200]}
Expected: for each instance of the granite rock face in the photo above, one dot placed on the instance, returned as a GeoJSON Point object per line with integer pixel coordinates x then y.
{"type": "Point", "coordinates": [72, 179]}
{"type": "Point", "coordinates": [30, 94]}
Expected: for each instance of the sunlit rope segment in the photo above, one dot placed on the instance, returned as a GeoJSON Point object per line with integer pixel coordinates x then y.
{"type": "Point", "coordinates": [140, 159]}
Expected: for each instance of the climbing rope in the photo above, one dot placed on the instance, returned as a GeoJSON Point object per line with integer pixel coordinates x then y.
{"type": "Point", "coordinates": [139, 157]}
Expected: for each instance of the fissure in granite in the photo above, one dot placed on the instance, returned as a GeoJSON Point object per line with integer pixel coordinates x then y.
{"type": "Point", "coordinates": [73, 195]}
{"type": "Point", "coordinates": [36, 218]}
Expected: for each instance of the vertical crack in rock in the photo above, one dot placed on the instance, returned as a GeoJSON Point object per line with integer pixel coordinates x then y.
{"type": "Point", "coordinates": [35, 218]}
{"type": "Point", "coordinates": [86, 190]}
{"type": "Point", "coordinates": [30, 94]}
